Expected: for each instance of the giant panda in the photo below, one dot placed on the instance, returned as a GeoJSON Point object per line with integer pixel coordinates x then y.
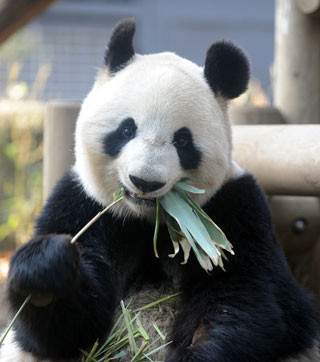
{"type": "Point", "coordinates": [149, 121]}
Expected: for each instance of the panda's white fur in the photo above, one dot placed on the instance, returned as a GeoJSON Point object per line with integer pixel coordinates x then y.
{"type": "Point", "coordinates": [162, 76]}
{"type": "Point", "coordinates": [173, 93]}
{"type": "Point", "coordinates": [151, 155]}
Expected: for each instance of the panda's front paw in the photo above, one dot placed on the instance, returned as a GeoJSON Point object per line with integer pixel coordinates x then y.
{"type": "Point", "coordinates": [47, 264]}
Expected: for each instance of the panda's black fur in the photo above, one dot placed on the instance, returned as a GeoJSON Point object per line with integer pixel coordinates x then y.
{"type": "Point", "coordinates": [253, 312]}
{"type": "Point", "coordinates": [120, 49]}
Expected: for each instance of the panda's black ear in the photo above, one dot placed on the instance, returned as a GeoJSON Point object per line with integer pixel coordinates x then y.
{"type": "Point", "coordinates": [120, 49]}
{"type": "Point", "coordinates": [227, 69]}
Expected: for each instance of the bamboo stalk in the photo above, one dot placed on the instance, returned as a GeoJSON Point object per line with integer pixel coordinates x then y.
{"type": "Point", "coordinates": [94, 219]}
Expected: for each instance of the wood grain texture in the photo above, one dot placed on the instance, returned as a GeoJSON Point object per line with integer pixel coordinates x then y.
{"type": "Point", "coordinates": [284, 158]}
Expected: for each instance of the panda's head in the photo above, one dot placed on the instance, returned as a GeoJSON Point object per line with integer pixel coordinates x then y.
{"type": "Point", "coordinates": [151, 120]}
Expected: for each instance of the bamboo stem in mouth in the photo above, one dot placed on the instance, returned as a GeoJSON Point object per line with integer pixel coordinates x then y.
{"type": "Point", "coordinates": [94, 219]}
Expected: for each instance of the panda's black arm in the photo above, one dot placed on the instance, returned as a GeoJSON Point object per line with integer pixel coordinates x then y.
{"type": "Point", "coordinates": [77, 275]}
{"type": "Point", "coordinates": [237, 321]}
{"type": "Point", "coordinates": [254, 311]}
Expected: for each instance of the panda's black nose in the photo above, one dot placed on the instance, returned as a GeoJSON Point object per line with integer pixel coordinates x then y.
{"type": "Point", "coordinates": [146, 186]}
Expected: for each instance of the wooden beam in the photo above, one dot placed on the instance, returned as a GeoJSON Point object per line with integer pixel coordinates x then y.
{"type": "Point", "coordinates": [310, 7]}
{"type": "Point", "coordinates": [284, 158]}
{"type": "Point", "coordinates": [14, 14]}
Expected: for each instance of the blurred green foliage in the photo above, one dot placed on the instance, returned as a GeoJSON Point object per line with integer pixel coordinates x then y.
{"type": "Point", "coordinates": [21, 134]}
{"type": "Point", "coordinates": [20, 169]}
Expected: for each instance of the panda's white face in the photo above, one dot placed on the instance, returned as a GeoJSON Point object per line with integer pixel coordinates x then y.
{"type": "Point", "coordinates": [151, 124]}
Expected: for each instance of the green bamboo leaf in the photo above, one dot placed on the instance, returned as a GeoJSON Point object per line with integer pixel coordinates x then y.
{"type": "Point", "coordinates": [177, 211]}
{"type": "Point", "coordinates": [186, 247]}
{"type": "Point", "coordinates": [143, 332]}
{"type": "Point", "coordinates": [118, 355]}
{"type": "Point", "coordinates": [184, 214]}
{"type": "Point", "coordinates": [176, 248]}
{"type": "Point", "coordinates": [157, 349]}
{"type": "Point", "coordinates": [139, 352]}
{"type": "Point", "coordinates": [216, 234]}
{"type": "Point", "coordinates": [171, 222]}
{"type": "Point", "coordinates": [91, 353]}
{"type": "Point", "coordinates": [4, 334]}
{"type": "Point", "coordinates": [117, 194]}
{"type": "Point", "coordinates": [162, 336]}
{"type": "Point", "coordinates": [175, 235]}
{"type": "Point", "coordinates": [127, 318]}
{"type": "Point", "coordinates": [164, 299]}
{"type": "Point", "coordinates": [185, 187]}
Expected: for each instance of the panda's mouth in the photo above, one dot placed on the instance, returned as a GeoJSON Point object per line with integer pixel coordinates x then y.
{"type": "Point", "coordinates": [138, 198]}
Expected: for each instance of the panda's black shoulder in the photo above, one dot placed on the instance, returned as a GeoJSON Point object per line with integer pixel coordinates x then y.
{"type": "Point", "coordinates": [68, 208]}
{"type": "Point", "coordinates": [242, 200]}
{"type": "Point", "coordinates": [240, 208]}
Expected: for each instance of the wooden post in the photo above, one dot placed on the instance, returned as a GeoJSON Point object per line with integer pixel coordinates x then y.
{"type": "Point", "coordinates": [59, 127]}
{"type": "Point", "coordinates": [297, 61]}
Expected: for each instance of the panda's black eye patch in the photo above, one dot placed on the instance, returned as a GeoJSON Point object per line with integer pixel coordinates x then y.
{"type": "Point", "coordinates": [118, 138]}
{"type": "Point", "coordinates": [189, 155]}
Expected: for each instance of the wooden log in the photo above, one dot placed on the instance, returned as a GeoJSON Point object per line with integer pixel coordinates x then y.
{"type": "Point", "coordinates": [14, 14]}
{"type": "Point", "coordinates": [310, 7]}
{"type": "Point", "coordinates": [296, 221]}
{"type": "Point", "coordinates": [284, 158]}
{"type": "Point", "coordinates": [297, 64]}
{"type": "Point", "coordinates": [59, 127]}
